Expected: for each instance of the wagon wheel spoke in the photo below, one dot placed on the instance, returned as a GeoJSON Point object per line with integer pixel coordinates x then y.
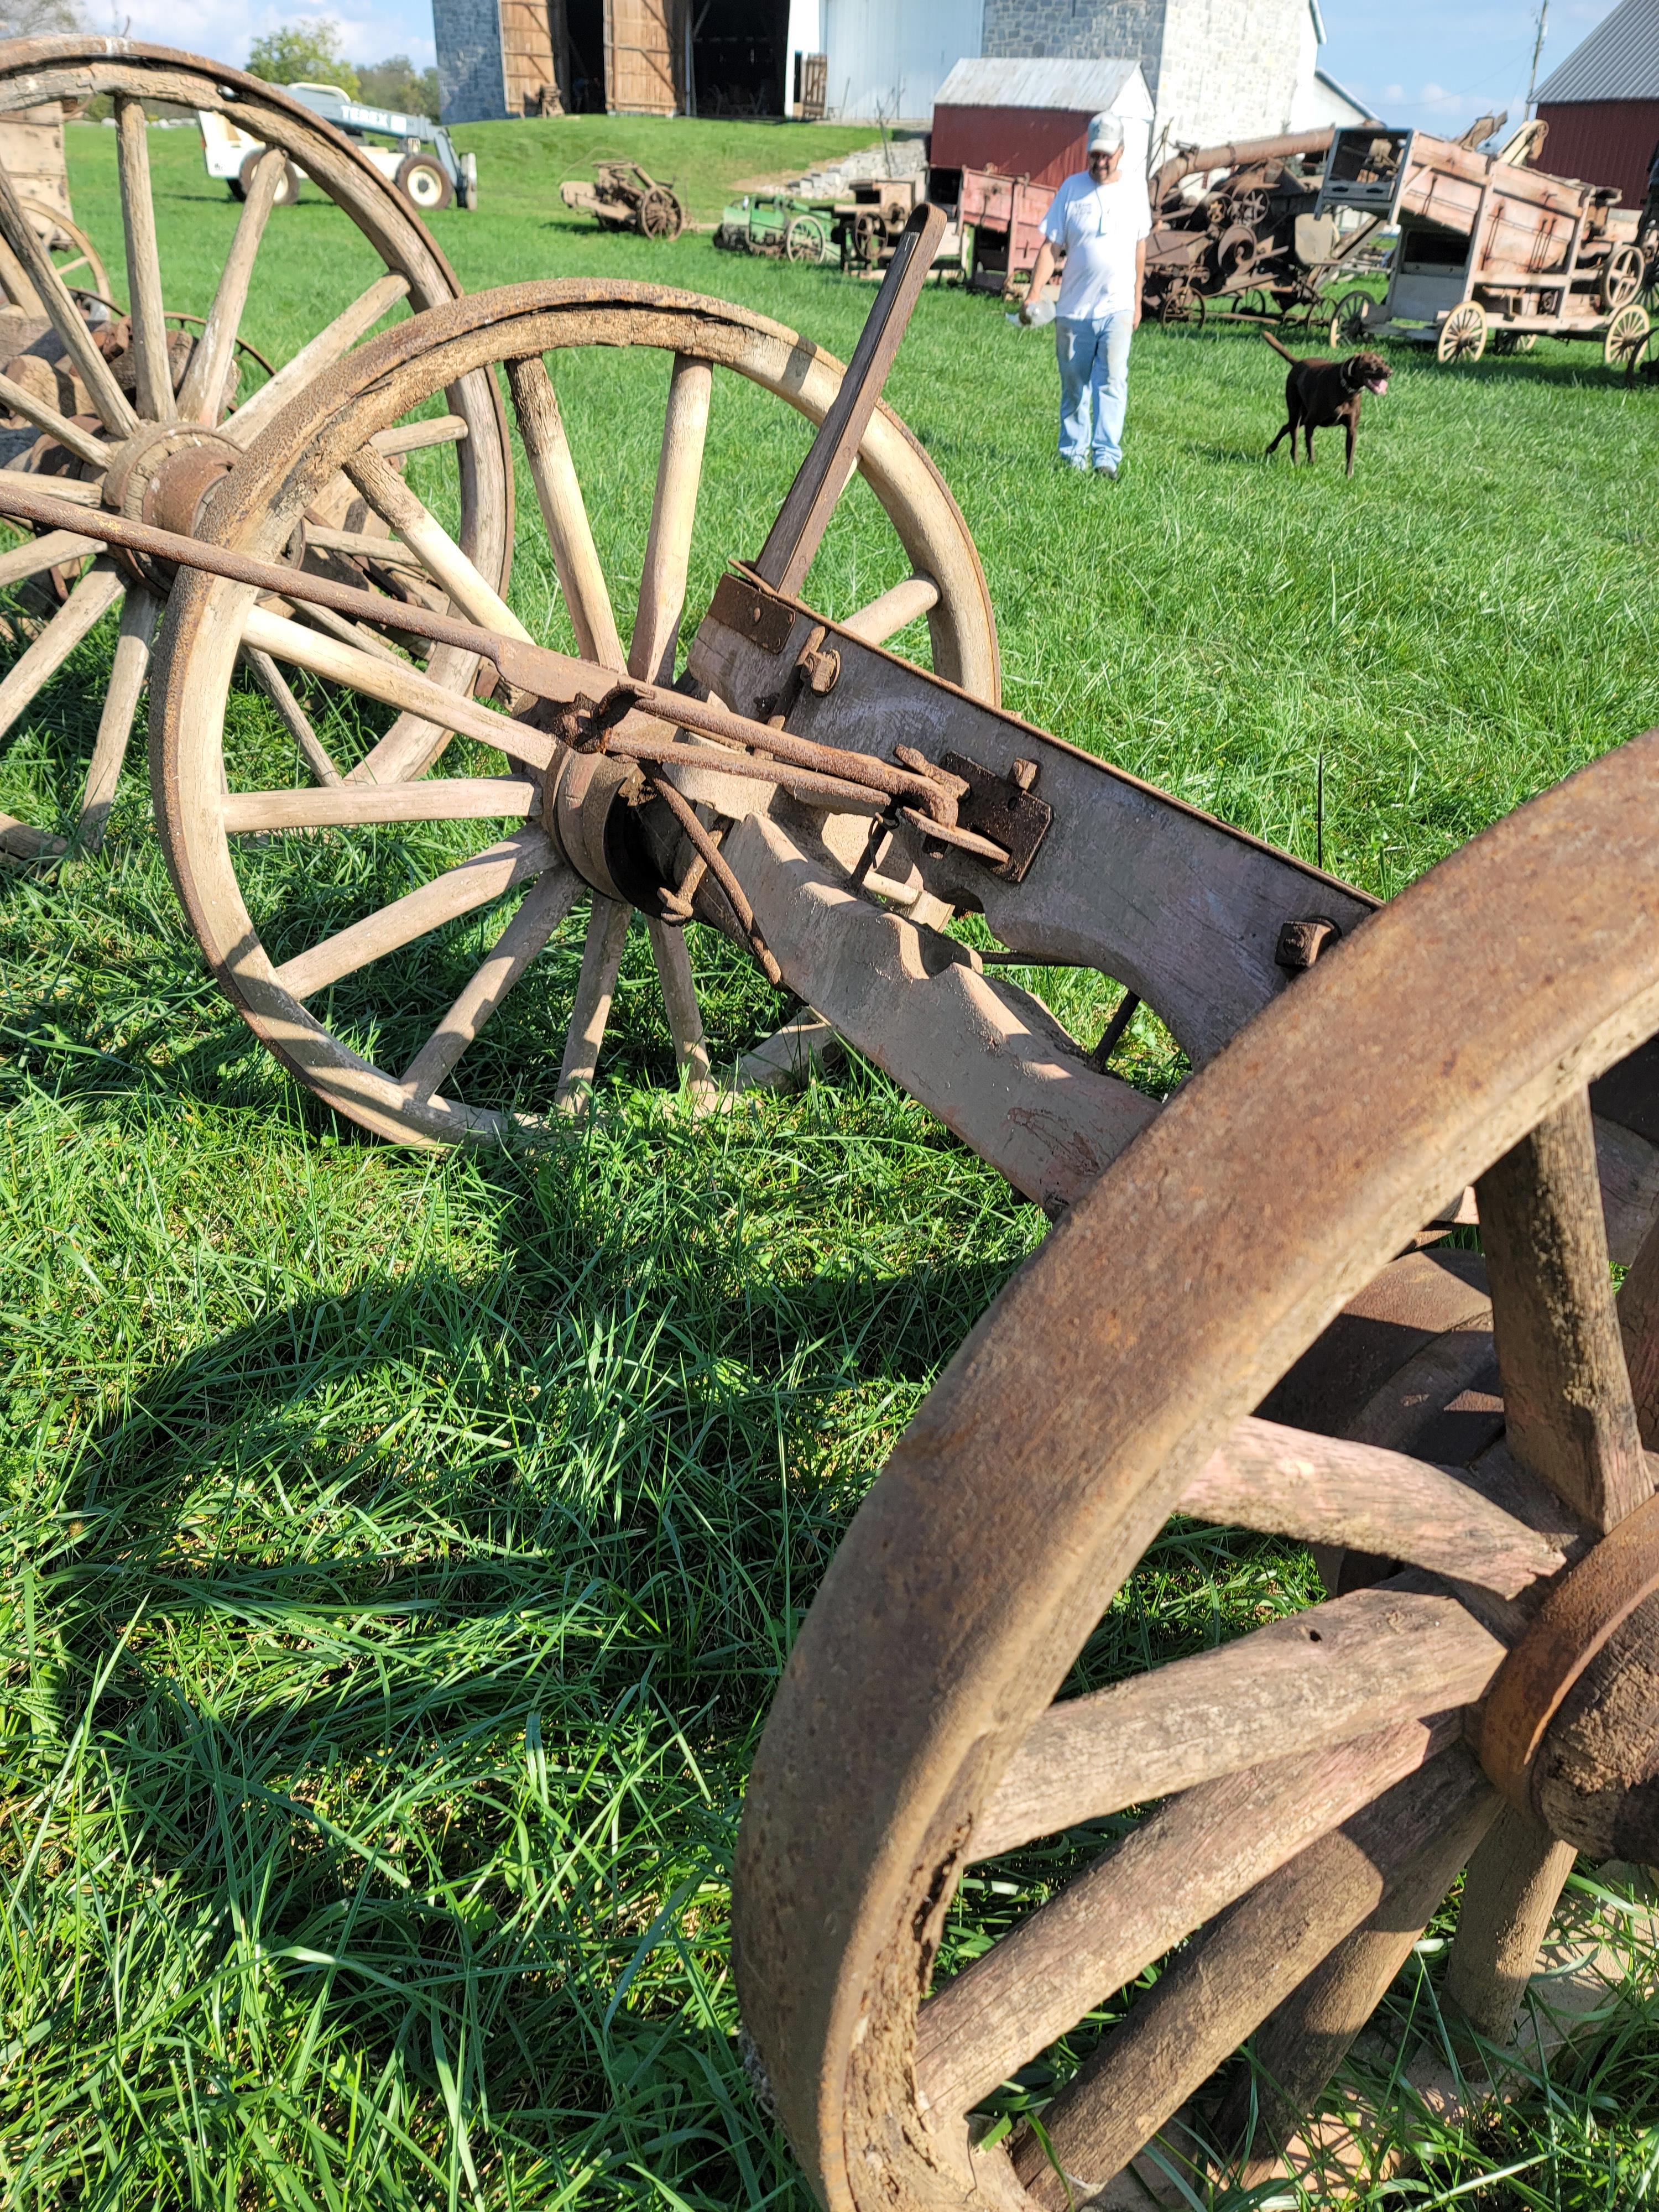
{"type": "Point", "coordinates": [90, 599]}
{"type": "Point", "coordinates": [330, 343]}
{"type": "Point", "coordinates": [108, 397]}
{"type": "Point", "coordinates": [1341, 1670]}
{"type": "Point", "coordinates": [1250, 1959]}
{"type": "Point", "coordinates": [393, 683]}
{"type": "Point", "coordinates": [1311, 2031]}
{"type": "Point", "coordinates": [150, 330]}
{"type": "Point", "coordinates": [50, 551]}
{"type": "Point", "coordinates": [72, 436]}
{"type": "Point", "coordinates": [673, 516]}
{"type": "Point", "coordinates": [431, 544]}
{"type": "Point", "coordinates": [545, 905]}
{"type": "Point", "coordinates": [679, 997]}
{"type": "Point", "coordinates": [292, 716]}
{"type": "Point", "coordinates": [501, 867]}
{"type": "Point", "coordinates": [596, 986]}
{"type": "Point", "coordinates": [1178, 1868]}
{"type": "Point", "coordinates": [883, 617]}
{"type": "Point", "coordinates": [206, 388]}
{"type": "Point", "coordinates": [128, 673]}
{"type": "Point", "coordinates": [342, 805]}
{"type": "Point", "coordinates": [1509, 1895]}
{"type": "Point", "coordinates": [564, 513]}
{"type": "Point", "coordinates": [1569, 1413]}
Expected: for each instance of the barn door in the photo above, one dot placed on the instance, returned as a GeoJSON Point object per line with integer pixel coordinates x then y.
{"type": "Point", "coordinates": [639, 57]}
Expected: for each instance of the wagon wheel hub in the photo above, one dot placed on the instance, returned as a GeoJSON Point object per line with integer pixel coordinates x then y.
{"type": "Point", "coordinates": [1570, 1731]}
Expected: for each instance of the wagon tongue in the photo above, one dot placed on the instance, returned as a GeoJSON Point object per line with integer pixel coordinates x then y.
{"type": "Point", "coordinates": [802, 519]}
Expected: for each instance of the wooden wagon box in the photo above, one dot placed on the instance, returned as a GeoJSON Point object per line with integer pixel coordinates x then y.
{"type": "Point", "coordinates": [1489, 245]}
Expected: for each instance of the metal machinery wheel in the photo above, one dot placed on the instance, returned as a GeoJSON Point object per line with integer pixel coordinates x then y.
{"type": "Point", "coordinates": [1463, 334]}
{"type": "Point", "coordinates": [1251, 207]}
{"type": "Point", "coordinates": [1487, 1700]}
{"type": "Point", "coordinates": [1626, 337]}
{"type": "Point", "coordinates": [73, 253]}
{"type": "Point", "coordinates": [152, 436]}
{"type": "Point", "coordinates": [661, 214]}
{"type": "Point", "coordinates": [1347, 326]}
{"type": "Point", "coordinates": [1514, 342]}
{"type": "Point", "coordinates": [1623, 274]}
{"type": "Point", "coordinates": [423, 184]}
{"type": "Point", "coordinates": [1182, 304]}
{"type": "Point", "coordinates": [1644, 360]}
{"type": "Point", "coordinates": [275, 981]}
{"type": "Point", "coordinates": [808, 239]}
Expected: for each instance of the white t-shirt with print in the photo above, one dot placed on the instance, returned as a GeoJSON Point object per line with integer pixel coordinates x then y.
{"type": "Point", "coordinates": [1099, 226]}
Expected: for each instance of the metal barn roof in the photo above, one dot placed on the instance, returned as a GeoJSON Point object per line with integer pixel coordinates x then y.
{"type": "Point", "coordinates": [1083, 87]}
{"type": "Point", "coordinates": [1619, 60]}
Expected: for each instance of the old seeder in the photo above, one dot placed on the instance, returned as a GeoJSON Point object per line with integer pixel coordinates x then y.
{"type": "Point", "coordinates": [1223, 1324]}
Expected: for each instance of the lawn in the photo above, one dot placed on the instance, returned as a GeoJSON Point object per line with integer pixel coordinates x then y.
{"type": "Point", "coordinates": [400, 1551]}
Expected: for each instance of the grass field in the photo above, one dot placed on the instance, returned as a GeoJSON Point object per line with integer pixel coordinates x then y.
{"type": "Point", "coordinates": [400, 1551]}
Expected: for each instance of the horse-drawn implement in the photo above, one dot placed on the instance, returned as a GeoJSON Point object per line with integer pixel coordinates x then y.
{"type": "Point", "coordinates": [1490, 249]}
{"type": "Point", "coordinates": [1221, 1324]}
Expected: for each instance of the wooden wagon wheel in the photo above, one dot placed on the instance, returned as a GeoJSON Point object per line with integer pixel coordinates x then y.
{"type": "Point", "coordinates": [1626, 338]}
{"type": "Point", "coordinates": [367, 396]}
{"type": "Point", "coordinates": [1463, 334]}
{"type": "Point", "coordinates": [73, 253]}
{"type": "Point", "coordinates": [1325, 1777]}
{"type": "Point", "coordinates": [1347, 322]}
{"type": "Point", "coordinates": [167, 430]}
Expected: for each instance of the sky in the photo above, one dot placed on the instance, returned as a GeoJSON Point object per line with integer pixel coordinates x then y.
{"type": "Point", "coordinates": [1436, 63]}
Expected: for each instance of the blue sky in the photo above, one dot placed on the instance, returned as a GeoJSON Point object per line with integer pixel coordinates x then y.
{"type": "Point", "coordinates": [1438, 64]}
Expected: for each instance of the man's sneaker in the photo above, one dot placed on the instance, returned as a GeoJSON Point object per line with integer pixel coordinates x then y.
{"type": "Point", "coordinates": [1107, 469]}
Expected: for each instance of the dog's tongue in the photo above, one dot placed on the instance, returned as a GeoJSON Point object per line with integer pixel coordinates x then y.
{"type": "Point", "coordinates": [1379, 384]}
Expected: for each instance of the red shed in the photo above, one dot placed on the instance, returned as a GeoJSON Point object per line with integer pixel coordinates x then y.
{"type": "Point", "coordinates": [1030, 118]}
{"type": "Point", "coordinates": [1603, 104]}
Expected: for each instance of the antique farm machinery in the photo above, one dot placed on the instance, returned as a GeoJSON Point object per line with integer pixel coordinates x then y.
{"type": "Point", "coordinates": [828, 807]}
{"type": "Point", "coordinates": [1489, 248]}
{"type": "Point", "coordinates": [1250, 239]}
{"type": "Point", "coordinates": [622, 196]}
{"type": "Point", "coordinates": [108, 401]}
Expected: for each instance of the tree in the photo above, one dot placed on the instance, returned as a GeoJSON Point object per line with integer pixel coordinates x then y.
{"type": "Point", "coordinates": [397, 83]}
{"type": "Point", "coordinates": [306, 51]}
{"type": "Point", "coordinates": [39, 19]}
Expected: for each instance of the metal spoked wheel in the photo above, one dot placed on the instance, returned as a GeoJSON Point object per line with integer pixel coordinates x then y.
{"type": "Point", "coordinates": [1626, 338]}
{"type": "Point", "coordinates": [807, 239]}
{"type": "Point", "coordinates": [1514, 342]}
{"type": "Point", "coordinates": [174, 411]}
{"type": "Point", "coordinates": [298, 959]}
{"type": "Point", "coordinates": [1644, 360]}
{"type": "Point", "coordinates": [1319, 1782]}
{"type": "Point", "coordinates": [1462, 335]}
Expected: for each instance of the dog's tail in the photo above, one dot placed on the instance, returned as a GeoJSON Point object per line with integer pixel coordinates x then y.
{"type": "Point", "coordinates": [1276, 346]}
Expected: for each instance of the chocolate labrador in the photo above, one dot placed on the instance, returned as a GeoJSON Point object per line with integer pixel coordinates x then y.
{"type": "Point", "coordinates": [1318, 394]}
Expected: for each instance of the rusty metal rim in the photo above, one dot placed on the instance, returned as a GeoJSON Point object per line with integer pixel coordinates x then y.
{"type": "Point", "coordinates": [1586, 1604]}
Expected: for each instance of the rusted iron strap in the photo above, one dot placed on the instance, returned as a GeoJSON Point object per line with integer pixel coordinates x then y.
{"type": "Point", "coordinates": [1574, 1621]}
{"type": "Point", "coordinates": [531, 668]}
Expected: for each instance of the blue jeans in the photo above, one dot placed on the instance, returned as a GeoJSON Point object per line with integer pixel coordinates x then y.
{"type": "Point", "coordinates": [1094, 366]}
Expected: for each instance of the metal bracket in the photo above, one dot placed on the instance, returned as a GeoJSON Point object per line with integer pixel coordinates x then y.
{"type": "Point", "coordinates": [739, 606]}
{"type": "Point", "coordinates": [1003, 808]}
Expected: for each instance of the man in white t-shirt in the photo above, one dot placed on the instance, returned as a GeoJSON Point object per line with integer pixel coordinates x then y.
{"type": "Point", "coordinates": [1101, 220]}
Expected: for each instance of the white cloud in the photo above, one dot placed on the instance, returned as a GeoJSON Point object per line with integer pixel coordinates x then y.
{"type": "Point", "coordinates": [223, 30]}
{"type": "Point", "coordinates": [1391, 93]}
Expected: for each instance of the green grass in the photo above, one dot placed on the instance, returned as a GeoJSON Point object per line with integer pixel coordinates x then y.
{"type": "Point", "coordinates": [400, 1552]}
